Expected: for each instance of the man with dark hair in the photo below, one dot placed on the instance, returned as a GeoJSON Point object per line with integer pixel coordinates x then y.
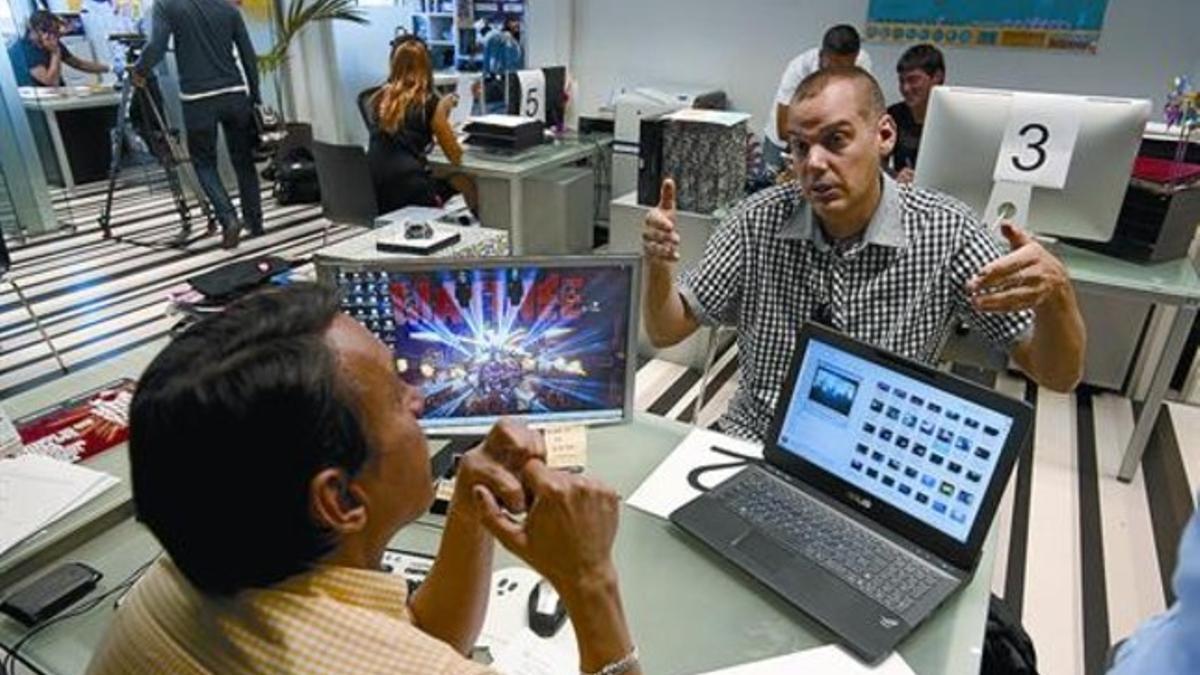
{"type": "Point", "coordinates": [840, 46]}
{"type": "Point", "coordinates": [920, 69]}
{"type": "Point", "coordinates": [39, 56]}
{"type": "Point", "coordinates": [846, 246]}
{"type": "Point", "coordinates": [215, 91]}
{"type": "Point", "coordinates": [275, 453]}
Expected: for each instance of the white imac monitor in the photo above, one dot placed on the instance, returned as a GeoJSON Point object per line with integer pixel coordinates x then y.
{"type": "Point", "coordinates": [965, 132]}
{"type": "Point", "coordinates": [549, 340]}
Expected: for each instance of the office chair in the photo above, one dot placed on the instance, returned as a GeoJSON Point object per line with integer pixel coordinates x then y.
{"type": "Point", "coordinates": [364, 106]}
{"type": "Point", "coordinates": [347, 190]}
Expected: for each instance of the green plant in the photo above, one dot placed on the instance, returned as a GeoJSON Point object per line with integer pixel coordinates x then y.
{"type": "Point", "coordinates": [301, 13]}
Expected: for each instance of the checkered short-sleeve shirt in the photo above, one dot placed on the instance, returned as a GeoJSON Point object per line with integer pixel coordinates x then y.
{"type": "Point", "coordinates": [768, 269]}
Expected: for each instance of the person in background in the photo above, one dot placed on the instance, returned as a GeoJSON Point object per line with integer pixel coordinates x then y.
{"type": "Point", "coordinates": [38, 56]}
{"type": "Point", "coordinates": [215, 91]}
{"type": "Point", "coordinates": [407, 117]}
{"type": "Point", "coordinates": [840, 46]}
{"type": "Point", "coordinates": [502, 54]}
{"type": "Point", "coordinates": [275, 453]}
{"type": "Point", "coordinates": [846, 246]}
{"type": "Point", "coordinates": [1167, 644]}
{"type": "Point", "coordinates": [920, 69]}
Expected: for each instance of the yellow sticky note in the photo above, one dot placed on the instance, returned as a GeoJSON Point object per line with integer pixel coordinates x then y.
{"type": "Point", "coordinates": [566, 447]}
{"type": "Point", "coordinates": [445, 489]}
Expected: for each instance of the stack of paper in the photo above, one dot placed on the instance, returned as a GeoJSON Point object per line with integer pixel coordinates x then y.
{"type": "Point", "coordinates": [827, 660]}
{"type": "Point", "coordinates": [36, 490]}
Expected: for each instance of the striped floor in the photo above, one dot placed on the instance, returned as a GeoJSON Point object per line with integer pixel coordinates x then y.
{"type": "Point", "coordinates": [1083, 558]}
{"type": "Point", "coordinates": [97, 298]}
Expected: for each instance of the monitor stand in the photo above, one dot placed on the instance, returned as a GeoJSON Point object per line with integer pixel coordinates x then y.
{"type": "Point", "coordinates": [443, 463]}
{"type": "Point", "coordinates": [1009, 201]}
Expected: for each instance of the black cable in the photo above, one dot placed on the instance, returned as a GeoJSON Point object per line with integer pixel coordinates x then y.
{"type": "Point", "coordinates": [8, 665]}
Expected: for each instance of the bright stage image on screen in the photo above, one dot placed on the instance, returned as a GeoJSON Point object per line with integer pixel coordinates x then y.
{"type": "Point", "coordinates": [537, 342]}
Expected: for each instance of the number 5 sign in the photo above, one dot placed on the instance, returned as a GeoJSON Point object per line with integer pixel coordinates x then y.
{"type": "Point", "coordinates": [533, 94]}
{"type": "Point", "coordinates": [1039, 141]}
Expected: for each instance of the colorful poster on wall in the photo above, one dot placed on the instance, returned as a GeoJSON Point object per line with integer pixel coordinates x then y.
{"type": "Point", "coordinates": [1070, 25]}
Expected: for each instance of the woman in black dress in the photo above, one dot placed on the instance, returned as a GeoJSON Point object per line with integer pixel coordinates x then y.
{"type": "Point", "coordinates": [408, 117]}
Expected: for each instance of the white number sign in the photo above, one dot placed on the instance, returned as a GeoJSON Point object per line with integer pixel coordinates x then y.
{"type": "Point", "coordinates": [1039, 141]}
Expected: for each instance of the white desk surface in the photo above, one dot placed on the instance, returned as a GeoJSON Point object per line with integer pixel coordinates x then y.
{"type": "Point", "coordinates": [54, 99]}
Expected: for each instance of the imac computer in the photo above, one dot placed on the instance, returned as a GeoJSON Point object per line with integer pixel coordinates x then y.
{"type": "Point", "coordinates": [555, 98]}
{"type": "Point", "coordinates": [964, 133]}
{"type": "Point", "coordinates": [546, 340]}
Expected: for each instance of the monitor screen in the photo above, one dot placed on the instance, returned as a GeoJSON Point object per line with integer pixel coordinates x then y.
{"type": "Point", "coordinates": [964, 134]}
{"type": "Point", "coordinates": [922, 450]}
{"type": "Point", "coordinates": [548, 341]}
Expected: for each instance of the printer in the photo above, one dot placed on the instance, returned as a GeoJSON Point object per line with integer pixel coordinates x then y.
{"type": "Point", "coordinates": [630, 106]}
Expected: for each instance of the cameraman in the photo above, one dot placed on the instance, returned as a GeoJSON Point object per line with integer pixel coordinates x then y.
{"type": "Point", "coordinates": [214, 90]}
{"type": "Point", "coordinates": [38, 56]}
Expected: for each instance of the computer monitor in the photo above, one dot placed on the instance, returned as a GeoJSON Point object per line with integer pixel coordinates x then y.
{"type": "Point", "coordinates": [556, 82]}
{"type": "Point", "coordinates": [964, 130]}
{"type": "Point", "coordinates": [546, 340]}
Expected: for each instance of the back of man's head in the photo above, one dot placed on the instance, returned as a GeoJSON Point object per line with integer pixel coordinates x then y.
{"type": "Point", "coordinates": [870, 97]}
{"type": "Point", "coordinates": [228, 426]}
{"type": "Point", "coordinates": [924, 57]}
{"type": "Point", "coordinates": [841, 40]}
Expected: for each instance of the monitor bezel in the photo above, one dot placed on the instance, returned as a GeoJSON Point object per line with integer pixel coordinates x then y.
{"type": "Point", "coordinates": [963, 555]}
{"type": "Point", "coordinates": [327, 268]}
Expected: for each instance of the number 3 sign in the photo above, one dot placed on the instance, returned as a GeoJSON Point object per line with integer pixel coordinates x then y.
{"type": "Point", "coordinates": [1039, 141]}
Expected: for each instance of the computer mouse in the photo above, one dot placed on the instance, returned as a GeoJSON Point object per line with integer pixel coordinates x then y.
{"type": "Point", "coordinates": [546, 610]}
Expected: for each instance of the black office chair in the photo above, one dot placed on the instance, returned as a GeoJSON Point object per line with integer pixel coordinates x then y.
{"type": "Point", "coordinates": [365, 108]}
{"type": "Point", "coordinates": [347, 191]}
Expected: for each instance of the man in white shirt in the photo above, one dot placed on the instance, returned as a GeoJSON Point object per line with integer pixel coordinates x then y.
{"type": "Point", "coordinates": [840, 46]}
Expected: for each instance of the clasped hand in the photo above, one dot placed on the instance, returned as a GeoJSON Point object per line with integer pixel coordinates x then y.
{"type": "Point", "coordinates": [570, 521]}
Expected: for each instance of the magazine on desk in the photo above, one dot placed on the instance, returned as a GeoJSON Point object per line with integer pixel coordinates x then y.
{"type": "Point", "coordinates": [81, 426]}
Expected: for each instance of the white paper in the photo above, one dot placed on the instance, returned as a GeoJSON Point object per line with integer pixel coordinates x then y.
{"type": "Point", "coordinates": [1039, 140]}
{"type": "Point", "coordinates": [827, 660]}
{"type": "Point", "coordinates": [466, 102]}
{"type": "Point", "coordinates": [36, 490]}
{"type": "Point", "coordinates": [529, 654]}
{"type": "Point", "coordinates": [668, 487]}
{"type": "Point", "coordinates": [506, 121]}
{"type": "Point", "coordinates": [10, 438]}
{"type": "Point", "coordinates": [721, 117]}
{"type": "Point", "coordinates": [533, 94]}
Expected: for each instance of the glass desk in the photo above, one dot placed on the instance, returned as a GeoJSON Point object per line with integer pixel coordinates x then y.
{"type": "Point", "coordinates": [1172, 283]}
{"type": "Point", "coordinates": [688, 611]}
{"type": "Point", "coordinates": [514, 169]}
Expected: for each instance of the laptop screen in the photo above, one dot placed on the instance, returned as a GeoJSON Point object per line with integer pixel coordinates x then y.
{"type": "Point", "coordinates": [924, 451]}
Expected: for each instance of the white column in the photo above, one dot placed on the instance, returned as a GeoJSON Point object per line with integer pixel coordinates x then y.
{"type": "Point", "coordinates": [311, 71]}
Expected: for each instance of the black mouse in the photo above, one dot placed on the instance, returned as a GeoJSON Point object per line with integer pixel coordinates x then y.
{"type": "Point", "coordinates": [546, 610]}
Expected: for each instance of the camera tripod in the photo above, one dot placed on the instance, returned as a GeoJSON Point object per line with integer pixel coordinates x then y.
{"type": "Point", "coordinates": [150, 124]}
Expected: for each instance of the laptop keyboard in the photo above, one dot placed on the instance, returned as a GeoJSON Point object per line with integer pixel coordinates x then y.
{"type": "Point", "coordinates": [882, 572]}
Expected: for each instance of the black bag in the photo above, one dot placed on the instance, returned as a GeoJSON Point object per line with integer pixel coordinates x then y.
{"type": "Point", "coordinates": [1007, 648]}
{"type": "Point", "coordinates": [295, 177]}
{"type": "Point", "coordinates": [229, 282]}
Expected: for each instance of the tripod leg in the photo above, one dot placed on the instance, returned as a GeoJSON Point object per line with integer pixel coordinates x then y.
{"type": "Point", "coordinates": [37, 322]}
{"type": "Point", "coordinates": [116, 138]}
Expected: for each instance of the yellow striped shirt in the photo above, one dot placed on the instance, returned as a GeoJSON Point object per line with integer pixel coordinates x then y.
{"type": "Point", "coordinates": [330, 620]}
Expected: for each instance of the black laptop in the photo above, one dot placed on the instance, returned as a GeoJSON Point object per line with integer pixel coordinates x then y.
{"type": "Point", "coordinates": [881, 480]}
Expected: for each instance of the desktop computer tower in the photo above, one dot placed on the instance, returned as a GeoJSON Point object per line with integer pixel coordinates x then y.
{"type": "Point", "coordinates": [650, 160]}
{"type": "Point", "coordinates": [707, 162]}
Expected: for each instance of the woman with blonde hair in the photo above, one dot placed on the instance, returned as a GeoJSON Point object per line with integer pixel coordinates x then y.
{"type": "Point", "coordinates": [408, 116]}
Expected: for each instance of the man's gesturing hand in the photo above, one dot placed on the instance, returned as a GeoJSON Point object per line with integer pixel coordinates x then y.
{"type": "Point", "coordinates": [660, 239]}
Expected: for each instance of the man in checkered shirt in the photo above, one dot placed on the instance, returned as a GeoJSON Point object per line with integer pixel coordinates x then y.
{"type": "Point", "coordinates": [845, 245]}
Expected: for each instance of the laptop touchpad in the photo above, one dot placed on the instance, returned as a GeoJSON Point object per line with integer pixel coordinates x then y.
{"type": "Point", "coordinates": [766, 553]}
